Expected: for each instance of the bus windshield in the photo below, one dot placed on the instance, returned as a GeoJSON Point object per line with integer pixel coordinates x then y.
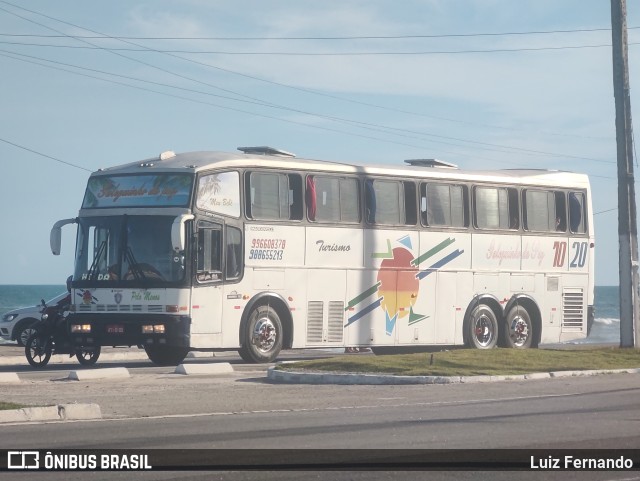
{"type": "Point", "coordinates": [127, 250]}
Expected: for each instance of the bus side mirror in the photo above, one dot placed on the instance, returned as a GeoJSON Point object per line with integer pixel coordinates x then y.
{"type": "Point", "coordinates": [177, 232]}
{"type": "Point", "coordinates": [55, 238]}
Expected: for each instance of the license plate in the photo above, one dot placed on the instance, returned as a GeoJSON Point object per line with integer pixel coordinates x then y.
{"type": "Point", "coordinates": [115, 329]}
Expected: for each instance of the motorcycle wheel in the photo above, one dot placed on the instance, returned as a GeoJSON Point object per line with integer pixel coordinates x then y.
{"type": "Point", "coordinates": [38, 349]}
{"type": "Point", "coordinates": [88, 357]}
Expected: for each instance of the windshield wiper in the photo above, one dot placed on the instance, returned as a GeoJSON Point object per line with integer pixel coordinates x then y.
{"type": "Point", "coordinates": [134, 267]}
{"type": "Point", "coordinates": [93, 270]}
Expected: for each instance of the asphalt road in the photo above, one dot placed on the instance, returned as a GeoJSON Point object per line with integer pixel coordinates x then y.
{"type": "Point", "coordinates": [158, 409]}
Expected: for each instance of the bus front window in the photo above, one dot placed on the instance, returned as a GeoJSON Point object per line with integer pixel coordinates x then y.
{"type": "Point", "coordinates": [127, 250]}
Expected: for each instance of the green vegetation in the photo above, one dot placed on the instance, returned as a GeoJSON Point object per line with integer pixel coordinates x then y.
{"type": "Point", "coordinates": [473, 362]}
{"type": "Point", "coordinates": [5, 405]}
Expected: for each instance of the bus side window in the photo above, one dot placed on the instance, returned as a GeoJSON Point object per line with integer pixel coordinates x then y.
{"type": "Point", "coordinates": [370, 202]}
{"type": "Point", "coordinates": [273, 196]}
{"type": "Point", "coordinates": [514, 209]}
{"type": "Point", "coordinates": [496, 208]}
{"type": "Point", "coordinates": [385, 202]}
{"type": "Point", "coordinates": [233, 267]}
{"type": "Point", "coordinates": [311, 198]}
{"type": "Point", "coordinates": [209, 259]}
{"type": "Point", "coordinates": [561, 212]}
{"type": "Point", "coordinates": [576, 213]}
{"type": "Point", "coordinates": [541, 211]}
{"type": "Point", "coordinates": [443, 205]}
{"type": "Point", "coordinates": [296, 211]}
{"type": "Point", "coordinates": [410, 203]}
{"type": "Point", "coordinates": [332, 199]}
{"type": "Point", "coordinates": [267, 196]}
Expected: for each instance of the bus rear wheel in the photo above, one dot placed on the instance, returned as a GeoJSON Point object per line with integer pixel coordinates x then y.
{"type": "Point", "coordinates": [482, 328]}
{"type": "Point", "coordinates": [518, 329]}
{"type": "Point", "coordinates": [262, 337]}
{"type": "Point", "coordinates": [166, 355]}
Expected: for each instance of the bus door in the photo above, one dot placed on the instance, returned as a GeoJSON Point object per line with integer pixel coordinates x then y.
{"type": "Point", "coordinates": [206, 297]}
{"type": "Point", "coordinates": [218, 269]}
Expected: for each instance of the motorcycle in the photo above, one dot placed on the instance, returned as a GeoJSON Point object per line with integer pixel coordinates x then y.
{"type": "Point", "coordinates": [51, 337]}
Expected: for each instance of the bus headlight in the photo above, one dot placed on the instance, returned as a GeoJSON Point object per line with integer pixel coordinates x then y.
{"type": "Point", "coordinates": [153, 329]}
{"type": "Point", "coordinates": [82, 328]}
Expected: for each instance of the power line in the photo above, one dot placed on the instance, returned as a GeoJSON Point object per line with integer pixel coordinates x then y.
{"type": "Point", "coordinates": [348, 37]}
{"type": "Point", "coordinates": [529, 151]}
{"type": "Point", "coordinates": [44, 155]}
{"type": "Point", "coordinates": [309, 54]}
{"type": "Point", "coordinates": [476, 157]}
{"type": "Point", "coordinates": [365, 125]}
{"type": "Point", "coordinates": [113, 52]}
{"type": "Point", "coordinates": [605, 211]}
{"type": "Point", "coordinates": [260, 79]}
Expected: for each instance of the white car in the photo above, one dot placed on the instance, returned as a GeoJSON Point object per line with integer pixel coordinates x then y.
{"type": "Point", "coordinates": [16, 324]}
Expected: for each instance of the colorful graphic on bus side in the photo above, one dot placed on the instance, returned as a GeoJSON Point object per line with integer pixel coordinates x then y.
{"type": "Point", "coordinates": [398, 283]}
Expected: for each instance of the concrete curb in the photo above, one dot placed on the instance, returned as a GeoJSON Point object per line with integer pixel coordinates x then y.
{"type": "Point", "coordinates": [65, 359]}
{"type": "Point", "coordinates": [105, 356]}
{"type": "Point", "coordinates": [59, 412]}
{"type": "Point", "coordinates": [200, 355]}
{"type": "Point", "coordinates": [9, 377]}
{"type": "Point", "coordinates": [200, 369]}
{"type": "Point", "coordinates": [293, 377]}
{"type": "Point", "coordinates": [103, 373]}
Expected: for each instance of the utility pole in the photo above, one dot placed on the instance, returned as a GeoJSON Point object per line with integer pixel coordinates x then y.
{"type": "Point", "coordinates": [627, 228]}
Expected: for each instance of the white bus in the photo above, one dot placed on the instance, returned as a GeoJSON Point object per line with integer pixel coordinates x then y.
{"type": "Point", "coordinates": [259, 251]}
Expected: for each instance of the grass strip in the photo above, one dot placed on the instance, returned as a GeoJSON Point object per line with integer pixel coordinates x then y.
{"type": "Point", "coordinates": [6, 405]}
{"type": "Point", "coordinates": [473, 362]}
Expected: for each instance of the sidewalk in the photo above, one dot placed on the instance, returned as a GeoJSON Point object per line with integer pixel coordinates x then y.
{"type": "Point", "coordinates": [13, 355]}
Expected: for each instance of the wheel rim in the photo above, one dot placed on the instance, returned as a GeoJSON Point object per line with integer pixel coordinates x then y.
{"type": "Point", "coordinates": [519, 331]}
{"type": "Point", "coordinates": [264, 335]}
{"type": "Point", "coordinates": [87, 355]}
{"type": "Point", "coordinates": [484, 330]}
{"type": "Point", "coordinates": [25, 335]}
{"type": "Point", "coordinates": [38, 350]}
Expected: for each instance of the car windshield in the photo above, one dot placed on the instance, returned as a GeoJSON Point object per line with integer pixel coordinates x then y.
{"type": "Point", "coordinates": [126, 250]}
{"type": "Point", "coordinates": [55, 300]}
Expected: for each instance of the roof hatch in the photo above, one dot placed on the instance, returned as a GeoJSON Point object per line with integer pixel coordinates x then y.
{"type": "Point", "coordinates": [167, 154]}
{"type": "Point", "coordinates": [431, 163]}
{"type": "Point", "coordinates": [264, 150]}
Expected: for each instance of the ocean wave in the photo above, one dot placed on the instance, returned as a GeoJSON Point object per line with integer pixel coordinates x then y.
{"type": "Point", "coordinates": [607, 321]}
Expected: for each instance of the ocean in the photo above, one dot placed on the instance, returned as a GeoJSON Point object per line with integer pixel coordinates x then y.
{"type": "Point", "coordinates": [606, 328]}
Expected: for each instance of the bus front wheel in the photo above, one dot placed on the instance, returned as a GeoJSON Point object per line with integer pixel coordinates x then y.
{"type": "Point", "coordinates": [518, 329]}
{"type": "Point", "coordinates": [262, 336]}
{"type": "Point", "coordinates": [88, 357]}
{"type": "Point", "coordinates": [482, 328]}
{"type": "Point", "coordinates": [166, 355]}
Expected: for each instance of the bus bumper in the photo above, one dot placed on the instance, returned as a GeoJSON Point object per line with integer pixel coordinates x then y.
{"type": "Point", "coordinates": [128, 330]}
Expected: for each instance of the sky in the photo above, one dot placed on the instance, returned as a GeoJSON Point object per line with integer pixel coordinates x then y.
{"type": "Point", "coordinates": [485, 84]}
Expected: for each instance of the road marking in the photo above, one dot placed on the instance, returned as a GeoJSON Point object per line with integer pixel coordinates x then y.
{"type": "Point", "coordinates": [333, 408]}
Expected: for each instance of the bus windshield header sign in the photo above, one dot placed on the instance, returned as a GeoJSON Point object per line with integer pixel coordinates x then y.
{"type": "Point", "coordinates": [158, 190]}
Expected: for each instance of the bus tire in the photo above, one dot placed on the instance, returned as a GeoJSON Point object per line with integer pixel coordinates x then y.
{"type": "Point", "coordinates": [263, 336]}
{"type": "Point", "coordinates": [88, 356]}
{"type": "Point", "coordinates": [381, 351]}
{"type": "Point", "coordinates": [166, 355]}
{"type": "Point", "coordinates": [482, 328]}
{"type": "Point", "coordinates": [517, 331]}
